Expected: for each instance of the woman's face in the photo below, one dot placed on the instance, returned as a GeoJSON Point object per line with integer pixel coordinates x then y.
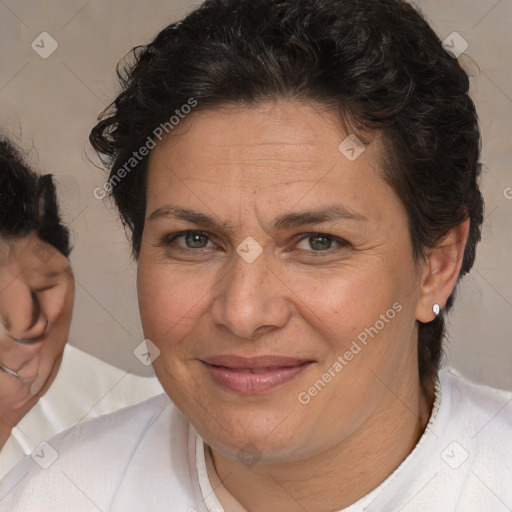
{"type": "Point", "coordinates": [276, 277]}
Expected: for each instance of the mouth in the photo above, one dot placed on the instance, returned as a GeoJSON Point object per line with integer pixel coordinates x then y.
{"type": "Point", "coordinates": [256, 375]}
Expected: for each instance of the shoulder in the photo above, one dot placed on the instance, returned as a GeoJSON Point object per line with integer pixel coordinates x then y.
{"type": "Point", "coordinates": [109, 390]}
{"type": "Point", "coordinates": [77, 367]}
{"type": "Point", "coordinates": [476, 432]}
{"type": "Point", "coordinates": [86, 463]}
{"type": "Point", "coordinates": [479, 402]}
{"type": "Point", "coordinates": [72, 397]}
{"type": "Point", "coordinates": [123, 425]}
{"type": "Point", "coordinates": [463, 460]}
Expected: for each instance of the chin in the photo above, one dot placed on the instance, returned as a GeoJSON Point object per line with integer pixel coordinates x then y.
{"type": "Point", "coordinates": [258, 449]}
{"type": "Point", "coordinates": [257, 434]}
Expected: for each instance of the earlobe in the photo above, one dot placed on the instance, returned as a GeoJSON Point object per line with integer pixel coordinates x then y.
{"type": "Point", "coordinates": [441, 273]}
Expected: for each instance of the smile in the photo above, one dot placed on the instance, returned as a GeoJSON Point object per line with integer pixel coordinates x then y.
{"type": "Point", "coordinates": [251, 376]}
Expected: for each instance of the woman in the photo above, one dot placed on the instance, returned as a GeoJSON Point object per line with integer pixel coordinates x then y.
{"type": "Point", "coordinates": [300, 183]}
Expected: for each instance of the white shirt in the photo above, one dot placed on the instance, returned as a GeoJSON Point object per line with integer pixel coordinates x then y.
{"type": "Point", "coordinates": [148, 457]}
{"type": "Point", "coordinates": [84, 388]}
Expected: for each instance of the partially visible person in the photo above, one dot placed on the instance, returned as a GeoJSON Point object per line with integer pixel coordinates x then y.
{"type": "Point", "coordinates": [36, 287]}
{"type": "Point", "coordinates": [36, 304]}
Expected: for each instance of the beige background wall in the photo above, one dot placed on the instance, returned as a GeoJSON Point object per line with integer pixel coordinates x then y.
{"type": "Point", "coordinates": [50, 104]}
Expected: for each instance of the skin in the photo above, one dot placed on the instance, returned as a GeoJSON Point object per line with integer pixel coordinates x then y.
{"type": "Point", "coordinates": [30, 265]}
{"type": "Point", "coordinates": [245, 167]}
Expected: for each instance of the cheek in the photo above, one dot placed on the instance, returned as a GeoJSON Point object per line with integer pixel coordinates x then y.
{"type": "Point", "coordinates": [171, 300]}
{"type": "Point", "coordinates": [360, 315]}
{"type": "Point", "coordinates": [340, 304]}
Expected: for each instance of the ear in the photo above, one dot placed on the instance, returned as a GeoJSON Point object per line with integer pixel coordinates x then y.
{"type": "Point", "coordinates": [441, 272]}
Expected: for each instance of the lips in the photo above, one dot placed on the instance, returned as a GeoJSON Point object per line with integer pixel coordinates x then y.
{"type": "Point", "coordinates": [254, 375]}
{"type": "Point", "coordinates": [254, 363]}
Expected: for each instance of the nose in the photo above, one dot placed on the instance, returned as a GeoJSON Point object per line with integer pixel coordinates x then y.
{"type": "Point", "coordinates": [250, 301]}
{"type": "Point", "coordinates": [21, 312]}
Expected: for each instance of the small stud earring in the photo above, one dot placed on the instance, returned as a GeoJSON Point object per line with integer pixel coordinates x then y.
{"type": "Point", "coordinates": [436, 309]}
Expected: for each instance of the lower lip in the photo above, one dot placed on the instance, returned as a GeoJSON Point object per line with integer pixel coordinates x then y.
{"type": "Point", "coordinates": [254, 383]}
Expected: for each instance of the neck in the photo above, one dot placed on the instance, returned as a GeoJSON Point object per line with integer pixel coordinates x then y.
{"type": "Point", "coordinates": [335, 479]}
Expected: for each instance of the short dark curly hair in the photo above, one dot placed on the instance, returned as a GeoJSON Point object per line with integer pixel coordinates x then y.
{"type": "Point", "coordinates": [378, 64]}
{"type": "Point", "coordinates": [28, 202]}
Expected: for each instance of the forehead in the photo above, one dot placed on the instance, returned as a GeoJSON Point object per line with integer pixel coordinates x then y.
{"type": "Point", "coordinates": [283, 149]}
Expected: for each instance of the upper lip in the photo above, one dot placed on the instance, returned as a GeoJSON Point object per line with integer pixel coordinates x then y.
{"type": "Point", "coordinates": [258, 362]}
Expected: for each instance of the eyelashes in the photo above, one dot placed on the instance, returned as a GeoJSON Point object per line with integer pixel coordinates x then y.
{"type": "Point", "coordinates": [322, 242]}
{"type": "Point", "coordinates": [314, 242]}
{"type": "Point", "coordinates": [194, 238]}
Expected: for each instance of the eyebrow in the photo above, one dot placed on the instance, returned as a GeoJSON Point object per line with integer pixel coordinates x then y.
{"type": "Point", "coordinates": [317, 216]}
{"type": "Point", "coordinates": [185, 214]}
{"type": "Point", "coordinates": [285, 221]}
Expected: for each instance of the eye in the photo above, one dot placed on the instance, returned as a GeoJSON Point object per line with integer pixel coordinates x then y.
{"type": "Point", "coordinates": [191, 240]}
{"type": "Point", "coordinates": [190, 246]}
{"type": "Point", "coordinates": [320, 242]}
